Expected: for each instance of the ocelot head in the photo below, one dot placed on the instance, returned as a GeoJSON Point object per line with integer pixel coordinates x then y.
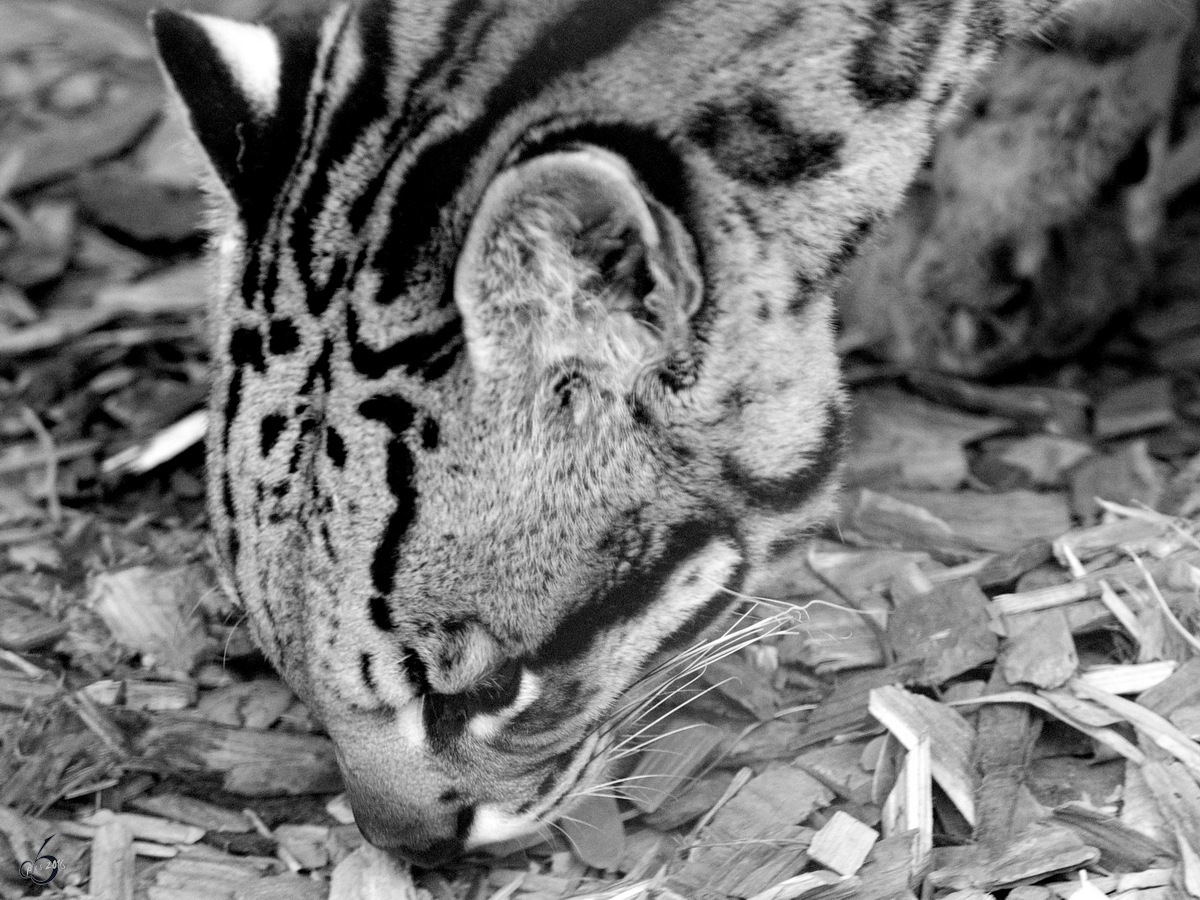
{"type": "Point", "coordinates": [523, 356]}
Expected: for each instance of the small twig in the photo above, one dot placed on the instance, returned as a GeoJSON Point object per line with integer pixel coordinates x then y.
{"type": "Point", "coordinates": [1162, 602]}
{"type": "Point", "coordinates": [46, 442]}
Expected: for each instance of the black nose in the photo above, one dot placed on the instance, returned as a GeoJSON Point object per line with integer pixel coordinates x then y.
{"type": "Point", "coordinates": [432, 856]}
{"type": "Point", "coordinates": [425, 837]}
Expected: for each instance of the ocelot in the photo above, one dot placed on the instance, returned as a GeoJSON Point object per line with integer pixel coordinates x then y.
{"type": "Point", "coordinates": [524, 350]}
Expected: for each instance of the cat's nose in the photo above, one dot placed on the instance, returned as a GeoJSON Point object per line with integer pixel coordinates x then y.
{"type": "Point", "coordinates": [434, 855]}
{"type": "Point", "coordinates": [424, 836]}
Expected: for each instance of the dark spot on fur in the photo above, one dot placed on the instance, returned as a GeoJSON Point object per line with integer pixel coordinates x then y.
{"type": "Point", "coordinates": [450, 795]}
{"type": "Point", "coordinates": [415, 671]}
{"type": "Point", "coordinates": [640, 413]}
{"type": "Point", "coordinates": [431, 354]}
{"type": "Point", "coordinates": [547, 784]}
{"type": "Point", "coordinates": [381, 613]}
{"type": "Point", "coordinates": [851, 242]}
{"type": "Point", "coordinates": [327, 541]}
{"type": "Point", "coordinates": [335, 447]}
{"type": "Point", "coordinates": [780, 546]}
{"type": "Point", "coordinates": [985, 25]}
{"type": "Point", "coordinates": [803, 289]}
{"type": "Point", "coordinates": [430, 434]}
{"type": "Point", "coordinates": [1134, 166]}
{"type": "Point", "coordinates": [269, 430]}
{"type": "Point", "coordinates": [565, 386]}
{"type": "Point", "coordinates": [626, 597]}
{"type": "Point", "coordinates": [789, 491]}
{"type": "Point", "coordinates": [394, 412]}
{"type": "Point", "coordinates": [752, 141]}
{"type": "Point", "coordinates": [246, 349]}
{"type": "Point", "coordinates": [250, 278]}
{"type": "Point", "coordinates": [307, 426]}
{"type": "Point", "coordinates": [888, 64]}
{"type": "Point", "coordinates": [364, 667]}
{"type": "Point", "coordinates": [463, 823]}
{"type": "Point", "coordinates": [780, 28]}
{"type": "Point", "coordinates": [319, 370]}
{"type": "Point", "coordinates": [283, 337]}
{"type": "Point", "coordinates": [233, 399]}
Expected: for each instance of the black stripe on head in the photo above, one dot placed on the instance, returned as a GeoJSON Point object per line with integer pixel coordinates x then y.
{"type": "Point", "coordinates": [429, 353]}
{"type": "Point", "coordinates": [751, 140]}
{"type": "Point", "coordinates": [417, 250]}
{"type": "Point", "coordinates": [985, 25]}
{"type": "Point", "coordinates": [629, 597]}
{"type": "Point", "coordinates": [364, 103]}
{"type": "Point", "coordinates": [790, 491]}
{"type": "Point", "coordinates": [398, 414]}
{"type": "Point", "coordinates": [889, 63]}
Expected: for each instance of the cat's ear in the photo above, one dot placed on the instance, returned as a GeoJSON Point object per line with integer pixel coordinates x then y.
{"type": "Point", "coordinates": [570, 257]}
{"type": "Point", "coordinates": [243, 87]}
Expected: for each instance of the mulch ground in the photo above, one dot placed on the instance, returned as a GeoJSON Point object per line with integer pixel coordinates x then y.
{"type": "Point", "coordinates": [983, 679]}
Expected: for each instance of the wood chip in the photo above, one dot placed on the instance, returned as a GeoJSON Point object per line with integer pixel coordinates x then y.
{"type": "Point", "coordinates": [192, 811]}
{"type": "Point", "coordinates": [252, 763]}
{"type": "Point", "coordinates": [594, 830]}
{"type": "Point", "coordinates": [1129, 679]}
{"type": "Point", "coordinates": [804, 885]}
{"type": "Point", "coordinates": [1040, 650]}
{"type": "Point", "coordinates": [945, 630]}
{"type": "Point", "coordinates": [1144, 404]}
{"type": "Point", "coordinates": [149, 828]}
{"type": "Point", "coordinates": [1034, 853]}
{"type": "Point", "coordinates": [674, 758]}
{"type": "Point", "coordinates": [911, 442]}
{"type": "Point", "coordinates": [842, 844]}
{"type": "Point", "coordinates": [1054, 410]}
{"type": "Point", "coordinates": [839, 767]}
{"type": "Point", "coordinates": [23, 628]}
{"type": "Point", "coordinates": [1001, 522]}
{"type": "Point", "coordinates": [887, 874]}
{"type": "Point", "coordinates": [1121, 848]}
{"type": "Point", "coordinates": [281, 887]}
{"type": "Point", "coordinates": [1045, 459]}
{"type": "Point", "coordinates": [153, 612]}
{"type": "Point", "coordinates": [1129, 475]}
{"type": "Point", "coordinates": [112, 862]}
{"type": "Point", "coordinates": [909, 807]}
{"type": "Point", "coordinates": [307, 844]}
{"type": "Point", "coordinates": [1152, 725]}
{"type": "Point", "coordinates": [781, 795]}
{"type": "Point", "coordinates": [693, 799]}
{"type": "Point", "coordinates": [911, 718]}
{"type": "Point", "coordinates": [159, 696]}
{"type": "Point", "coordinates": [845, 709]}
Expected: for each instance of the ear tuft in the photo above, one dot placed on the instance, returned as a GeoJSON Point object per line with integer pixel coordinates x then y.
{"type": "Point", "coordinates": [227, 75]}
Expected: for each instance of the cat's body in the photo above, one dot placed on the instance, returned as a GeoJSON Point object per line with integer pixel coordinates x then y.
{"type": "Point", "coordinates": [524, 350]}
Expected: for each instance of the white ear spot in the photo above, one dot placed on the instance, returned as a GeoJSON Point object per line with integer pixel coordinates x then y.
{"type": "Point", "coordinates": [252, 54]}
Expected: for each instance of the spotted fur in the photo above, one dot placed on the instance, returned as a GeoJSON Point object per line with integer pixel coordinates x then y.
{"type": "Point", "coordinates": [523, 348]}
